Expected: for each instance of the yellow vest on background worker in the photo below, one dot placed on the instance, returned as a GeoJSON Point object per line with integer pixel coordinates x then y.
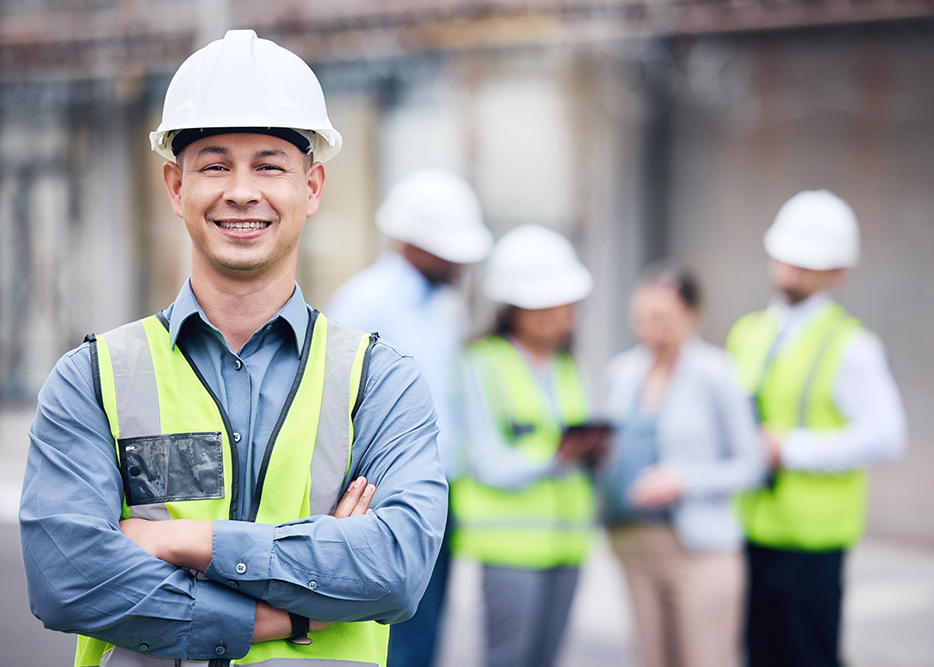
{"type": "Point", "coordinates": [800, 510]}
{"type": "Point", "coordinates": [173, 439]}
{"type": "Point", "coordinates": [550, 522]}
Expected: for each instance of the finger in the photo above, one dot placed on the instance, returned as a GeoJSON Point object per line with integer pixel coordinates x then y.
{"type": "Point", "coordinates": [351, 498]}
{"type": "Point", "coordinates": [363, 504]}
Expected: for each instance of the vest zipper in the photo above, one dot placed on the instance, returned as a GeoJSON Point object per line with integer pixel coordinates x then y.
{"type": "Point", "coordinates": [270, 444]}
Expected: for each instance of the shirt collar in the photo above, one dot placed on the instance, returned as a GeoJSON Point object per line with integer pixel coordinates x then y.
{"type": "Point", "coordinates": [791, 316]}
{"type": "Point", "coordinates": [294, 313]}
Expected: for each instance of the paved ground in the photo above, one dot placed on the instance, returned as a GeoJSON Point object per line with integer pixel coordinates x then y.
{"type": "Point", "coordinates": [889, 609]}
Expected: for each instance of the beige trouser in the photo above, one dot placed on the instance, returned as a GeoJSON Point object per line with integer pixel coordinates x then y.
{"type": "Point", "coordinates": [687, 606]}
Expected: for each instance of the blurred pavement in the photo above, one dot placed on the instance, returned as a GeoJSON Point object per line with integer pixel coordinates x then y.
{"type": "Point", "coordinates": [889, 608]}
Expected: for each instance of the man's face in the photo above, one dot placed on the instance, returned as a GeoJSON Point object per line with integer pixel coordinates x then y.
{"type": "Point", "coordinates": [244, 199]}
{"type": "Point", "coordinates": [797, 284]}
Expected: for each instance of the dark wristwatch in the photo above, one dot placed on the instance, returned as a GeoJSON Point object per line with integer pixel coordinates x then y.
{"type": "Point", "coordinates": [299, 629]}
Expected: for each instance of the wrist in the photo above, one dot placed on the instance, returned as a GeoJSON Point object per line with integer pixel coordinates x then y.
{"type": "Point", "coordinates": [271, 623]}
{"type": "Point", "coordinates": [300, 626]}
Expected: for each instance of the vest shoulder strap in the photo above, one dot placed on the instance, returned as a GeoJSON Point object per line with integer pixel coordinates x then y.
{"type": "Point", "coordinates": [347, 365]}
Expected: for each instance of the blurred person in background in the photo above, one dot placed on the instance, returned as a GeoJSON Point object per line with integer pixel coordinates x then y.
{"type": "Point", "coordinates": [828, 408]}
{"type": "Point", "coordinates": [435, 220]}
{"type": "Point", "coordinates": [685, 441]}
{"type": "Point", "coordinates": [525, 508]}
{"type": "Point", "coordinates": [182, 498]}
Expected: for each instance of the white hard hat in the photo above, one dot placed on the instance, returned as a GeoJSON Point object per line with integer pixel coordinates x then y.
{"type": "Point", "coordinates": [533, 267]}
{"type": "Point", "coordinates": [815, 229]}
{"type": "Point", "coordinates": [242, 81]}
{"type": "Point", "coordinates": [437, 211]}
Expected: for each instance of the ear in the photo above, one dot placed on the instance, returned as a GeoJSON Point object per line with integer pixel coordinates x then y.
{"type": "Point", "coordinates": [315, 182]}
{"type": "Point", "coordinates": [172, 176]}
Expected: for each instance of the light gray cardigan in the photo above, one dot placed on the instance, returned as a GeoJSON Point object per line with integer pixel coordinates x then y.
{"type": "Point", "coordinates": [706, 428]}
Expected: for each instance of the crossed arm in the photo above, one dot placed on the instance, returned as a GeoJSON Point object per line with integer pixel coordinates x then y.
{"type": "Point", "coordinates": [85, 577]}
{"type": "Point", "coordinates": [188, 543]}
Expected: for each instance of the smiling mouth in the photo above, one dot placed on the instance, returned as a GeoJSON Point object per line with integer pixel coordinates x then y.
{"type": "Point", "coordinates": [242, 226]}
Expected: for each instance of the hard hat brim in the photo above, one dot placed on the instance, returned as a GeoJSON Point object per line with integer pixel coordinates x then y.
{"type": "Point", "coordinates": [557, 290]}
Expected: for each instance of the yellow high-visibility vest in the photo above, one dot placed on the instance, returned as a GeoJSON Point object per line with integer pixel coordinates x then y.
{"type": "Point", "coordinates": [800, 510]}
{"type": "Point", "coordinates": [550, 522]}
{"type": "Point", "coordinates": [174, 447]}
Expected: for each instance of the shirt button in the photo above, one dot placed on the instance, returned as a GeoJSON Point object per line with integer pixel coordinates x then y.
{"type": "Point", "coordinates": [232, 584]}
{"type": "Point", "coordinates": [220, 650]}
{"type": "Point", "coordinates": [144, 647]}
{"type": "Point", "coordinates": [312, 585]}
{"type": "Point", "coordinates": [236, 437]}
{"type": "Point", "coordinates": [241, 568]}
{"type": "Point", "coordinates": [238, 365]}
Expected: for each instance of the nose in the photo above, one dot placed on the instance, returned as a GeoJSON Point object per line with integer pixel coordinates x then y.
{"type": "Point", "coordinates": [242, 188]}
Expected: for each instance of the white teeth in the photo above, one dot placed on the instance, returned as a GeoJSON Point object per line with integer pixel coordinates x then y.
{"type": "Point", "coordinates": [242, 226]}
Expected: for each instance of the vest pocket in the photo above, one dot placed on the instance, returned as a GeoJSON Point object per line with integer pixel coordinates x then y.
{"type": "Point", "coordinates": [173, 467]}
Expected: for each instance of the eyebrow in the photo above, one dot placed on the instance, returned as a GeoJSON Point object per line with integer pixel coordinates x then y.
{"type": "Point", "coordinates": [221, 150]}
{"type": "Point", "coordinates": [213, 150]}
{"type": "Point", "coordinates": [275, 152]}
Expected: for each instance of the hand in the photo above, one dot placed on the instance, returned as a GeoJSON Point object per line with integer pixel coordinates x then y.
{"type": "Point", "coordinates": [657, 486]}
{"type": "Point", "coordinates": [272, 623]}
{"type": "Point", "coordinates": [773, 449]}
{"type": "Point", "coordinates": [586, 445]}
{"type": "Point", "coordinates": [356, 500]}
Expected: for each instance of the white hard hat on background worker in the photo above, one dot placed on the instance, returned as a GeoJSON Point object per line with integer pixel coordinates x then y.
{"type": "Point", "coordinates": [533, 267]}
{"type": "Point", "coordinates": [244, 82]}
{"type": "Point", "coordinates": [437, 211]}
{"type": "Point", "coordinates": [814, 230]}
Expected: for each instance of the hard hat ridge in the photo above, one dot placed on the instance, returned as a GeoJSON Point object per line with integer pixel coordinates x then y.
{"type": "Point", "coordinates": [815, 229]}
{"type": "Point", "coordinates": [242, 82]}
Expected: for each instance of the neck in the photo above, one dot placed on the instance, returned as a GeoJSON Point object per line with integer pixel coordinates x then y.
{"type": "Point", "coordinates": [239, 307]}
{"type": "Point", "coordinates": [537, 352]}
{"type": "Point", "coordinates": [666, 358]}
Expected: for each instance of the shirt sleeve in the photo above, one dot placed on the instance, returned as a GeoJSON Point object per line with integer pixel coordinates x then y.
{"type": "Point", "coordinates": [83, 575]}
{"type": "Point", "coordinates": [742, 462]}
{"type": "Point", "coordinates": [866, 394]}
{"type": "Point", "coordinates": [371, 567]}
{"type": "Point", "coordinates": [490, 459]}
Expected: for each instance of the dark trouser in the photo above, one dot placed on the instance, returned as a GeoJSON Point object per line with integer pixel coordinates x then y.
{"type": "Point", "coordinates": [793, 613]}
{"type": "Point", "coordinates": [526, 614]}
{"type": "Point", "coordinates": [412, 642]}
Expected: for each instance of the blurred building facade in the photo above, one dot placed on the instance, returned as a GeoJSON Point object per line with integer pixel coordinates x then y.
{"type": "Point", "coordinates": [637, 128]}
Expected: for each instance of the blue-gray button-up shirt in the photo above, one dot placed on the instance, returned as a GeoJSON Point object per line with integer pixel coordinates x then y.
{"type": "Point", "coordinates": [85, 576]}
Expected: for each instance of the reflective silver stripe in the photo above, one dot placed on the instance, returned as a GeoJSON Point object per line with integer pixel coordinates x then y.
{"type": "Point", "coordinates": [136, 395]}
{"type": "Point", "coordinates": [134, 381]}
{"type": "Point", "coordinates": [309, 662]}
{"type": "Point", "coordinates": [122, 657]}
{"type": "Point", "coordinates": [332, 443]}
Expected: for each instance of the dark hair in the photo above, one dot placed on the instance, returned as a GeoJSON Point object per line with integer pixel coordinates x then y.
{"type": "Point", "coordinates": [505, 321]}
{"type": "Point", "coordinates": [678, 278]}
